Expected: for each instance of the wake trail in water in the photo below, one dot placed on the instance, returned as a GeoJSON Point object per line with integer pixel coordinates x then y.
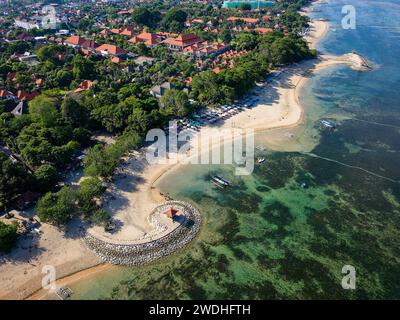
{"type": "Point", "coordinates": [350, 166]}
{"type": "Point", "coordinates": [377, 123]}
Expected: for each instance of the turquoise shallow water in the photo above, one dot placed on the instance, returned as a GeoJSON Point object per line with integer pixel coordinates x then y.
{"type": "Point", "coordinates": [269, 238]}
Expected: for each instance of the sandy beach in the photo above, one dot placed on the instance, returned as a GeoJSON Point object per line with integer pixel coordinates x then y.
{"type": "Point", "coordinates": [134, 194]}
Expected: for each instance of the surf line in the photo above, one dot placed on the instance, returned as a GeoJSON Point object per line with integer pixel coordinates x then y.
{"type": "Point", "coordinates": [350, 166]}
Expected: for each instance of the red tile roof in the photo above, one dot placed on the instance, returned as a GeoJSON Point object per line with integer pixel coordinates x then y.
{"type": "Point", "coordinates": [75, 40]}
{"type": "Point", "coordinates": [264, 30]}
{"type": "Point", "coordinates": [105, 32]}
{"type": "Point", "coordinates": [171, 212]}
{"type": "Point", "coordinates": [116, 60]}
{"type": "Point", "coordinates": [116, 31]}
{"type": "Point", "coordinates": [84, 86]}
{"type": "Point", "coordinates": [183, 40]}
{"type": "Point", "coordinates": [23, 95]}
{"type": "Point", "coordinates": [127, 32]}
{"type": "Point", "coordinates": [89, 44]}
{"type": "Point", "coordinates": [110, 49]}
{"type": "Point", "coordinates": [248, 20]}
{"type": "Point", "coordinates": [149, 39]}
{"type": "Point", "coordinates": [217, 70]}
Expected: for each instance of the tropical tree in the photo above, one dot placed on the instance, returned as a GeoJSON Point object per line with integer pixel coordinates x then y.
{"type": "Point", "coordinates": [59, 207]}
{"type": "Point", "coordinates": [46, 177]}
{"type": "Point", "coordinates": [8, 236]}
{"type": "Point", "coordinates": [175, 102]}
{"type": "Point", "coordinates": [73, 113]}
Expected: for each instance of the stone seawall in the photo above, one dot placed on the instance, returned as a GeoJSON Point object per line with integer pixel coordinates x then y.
{"type": "Point", "coordinates": [131, 253]}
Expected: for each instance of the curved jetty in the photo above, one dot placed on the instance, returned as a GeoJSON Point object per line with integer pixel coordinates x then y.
{"type": "Point", "coordinates": [352, 59]}
{"type": "Point", "coordinates": [138, 252]}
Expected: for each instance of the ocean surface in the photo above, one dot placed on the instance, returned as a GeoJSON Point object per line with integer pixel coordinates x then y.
{"type": "Point", "coordinates": [332, 198]}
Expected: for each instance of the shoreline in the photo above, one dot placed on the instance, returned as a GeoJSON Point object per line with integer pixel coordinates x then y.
{"type": "Point", "coordinates": [286, 112]}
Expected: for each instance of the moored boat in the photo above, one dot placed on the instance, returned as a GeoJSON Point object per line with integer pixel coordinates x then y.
{"type": "Point", "coordinates": [220, 181]}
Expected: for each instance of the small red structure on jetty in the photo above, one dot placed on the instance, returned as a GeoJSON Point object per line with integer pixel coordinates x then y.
{"type": "Point", "coordinates": [171, 213]}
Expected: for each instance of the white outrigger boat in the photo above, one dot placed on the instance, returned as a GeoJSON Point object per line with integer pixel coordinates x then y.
{"type": "Point", "coordinates": [220, 181]}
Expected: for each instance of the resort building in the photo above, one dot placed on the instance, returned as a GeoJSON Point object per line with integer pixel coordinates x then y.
{"type": "Point", "coordinates": [182, 41]}
{"type": "Point", "coordinates": [79, 42]}
{"type": "Point", "coordinates": [110, 50]}
{"type": "Point", "coordinates": [149, 39]}
{"type": "Point", "coordinates": [263, 30]}
{"type": "Point", "coordinates": [205, 48]}
{"type": "Point", "coordinates": [128, 31]}
{"type": "Point", "coordinates": [249, 21]}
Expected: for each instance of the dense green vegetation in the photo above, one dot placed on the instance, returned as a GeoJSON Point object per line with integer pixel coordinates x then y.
{"type": "Point", "coordinates": [270, 50]}
{"type": "Point", "coordinates": [59, 207]}
{"type": "Point", "coordinates": [8, 235]}
{"type": "Point", "coordinates": [14, 179]}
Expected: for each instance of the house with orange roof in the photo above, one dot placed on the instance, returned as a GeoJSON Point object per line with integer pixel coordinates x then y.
{"type": "Point", "coordinates": [149, 39]}
{"type": "Point", "coordinates": [74, 41]}
{"type": "Point", "coordinates": [216, 70]}
{"type": "Point", "coordinates": [105, 32]}
{"type": "Point", "coordinates": [85, 85]}
{"type": "Point", "coordinates": [110, 50]}
{"type": "Point", "coordinates": [115, 31]}
{"type": "Point", "coordinates": [128, 31]}
{"type": "Point", "coordinates": [182, 41]}
{"type": "Point", "coordinates": [80, 42]}
{"type": "Point", "coordinates": [86, 53]}
{"type": "Point", "coordinates": [205, 48]}
{"type": "Point", "coordinates": [192, 22]}
{"type": "Point", "coordinates": [90, 45]}
{"type": "Point", "coordinates": [116, 60]}
{"type": "Point", "coordinates": [26, 96]}
{"type": "Point", "coordinates": [264, 30]}
{"type": "Point", "coordinates": [247, 20]}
